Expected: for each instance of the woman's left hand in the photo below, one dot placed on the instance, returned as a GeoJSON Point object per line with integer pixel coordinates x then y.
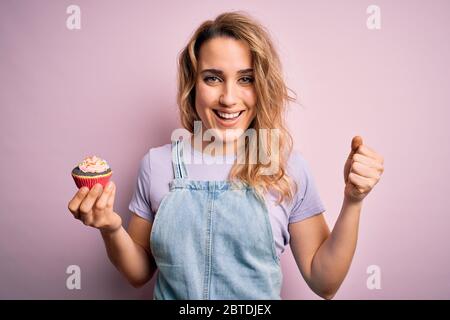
{"type": "Point", "coordinates": [362, 170]}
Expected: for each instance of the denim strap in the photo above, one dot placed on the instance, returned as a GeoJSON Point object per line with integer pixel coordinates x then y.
{"type": "Point", "coordinates": [178, 165]}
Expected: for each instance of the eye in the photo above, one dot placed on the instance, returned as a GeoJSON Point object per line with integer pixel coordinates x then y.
{"type": "Point", "coordinates": [247, 79]}
{"type": "Point", "coordinates": [211, 79]}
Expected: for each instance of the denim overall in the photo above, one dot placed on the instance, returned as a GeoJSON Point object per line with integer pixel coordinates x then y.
{"type": "Point", "coordinates": [213, 240]}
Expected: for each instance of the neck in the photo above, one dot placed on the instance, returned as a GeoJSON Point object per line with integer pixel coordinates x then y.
{"type": "Point", "coordinates": [228, 147]}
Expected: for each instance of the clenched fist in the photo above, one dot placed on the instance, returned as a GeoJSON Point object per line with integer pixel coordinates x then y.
{"type": "Point", "coordinates": [95, 207]}
{"type": "Point", "coordinates": [362, 170]}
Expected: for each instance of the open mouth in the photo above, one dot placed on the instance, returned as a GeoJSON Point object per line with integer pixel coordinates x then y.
{"type": "Point", "coordinates": [228, 116]}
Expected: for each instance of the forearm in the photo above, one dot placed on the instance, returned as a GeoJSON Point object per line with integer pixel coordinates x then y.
{"type": "Point", "coordinates": [332, 260]}
{"type": "Point", "coordinates": [128, 257]}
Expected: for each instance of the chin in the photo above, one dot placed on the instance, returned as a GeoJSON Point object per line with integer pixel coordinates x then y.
{"type": "Point", "coordinates": [228, 134]}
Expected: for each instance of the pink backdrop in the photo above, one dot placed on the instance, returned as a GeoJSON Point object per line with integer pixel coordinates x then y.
{"type": "Point", "coordinates": [110, 88]}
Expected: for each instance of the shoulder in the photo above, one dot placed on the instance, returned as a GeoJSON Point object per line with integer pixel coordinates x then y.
{"type": "Point", "coordinates": [297, 166]}
{"type": "Point", "coordinates": [306, 201]}
{"type": "Point", "coordinates": [160, 154]}
{"type": "Point", "coordinates": [154, 157]}
{"type": "Point", "coordinates": [299, 171]}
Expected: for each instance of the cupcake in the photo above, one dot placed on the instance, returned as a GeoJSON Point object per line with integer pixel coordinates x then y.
{"type": "Point", "coordinates": [90, 171]}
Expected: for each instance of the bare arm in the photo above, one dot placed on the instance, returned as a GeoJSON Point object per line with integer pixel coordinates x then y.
{"type": "Point", "coordinates": [128, 251]}
{"type": "Point", "coordinates": [323, 258]}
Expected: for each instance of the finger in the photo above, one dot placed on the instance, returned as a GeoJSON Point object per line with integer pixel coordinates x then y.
{"type": "Point", "coordinates": [87, 218]}
{"type": "Point", "coordinates": [74, 204]}
{"type": "Point", "coordinates": [110, 202]}
{"type": "Point", "coordinates": [100, 204]}
{"type": "Point", "coordinates": [361, 183]}
{"type": "Point", "coordinates": [368, 152]}
{"type": "Point", "coordinates": [88, 202]}
{"type": "Point", "coordinates": [99, 220]}
{"type": "Point", "coordinates": [364, 170]}
{"type": "Point", "coordinates": [370, 162]}
{"type": "Point", "coordinates": [356, 143]}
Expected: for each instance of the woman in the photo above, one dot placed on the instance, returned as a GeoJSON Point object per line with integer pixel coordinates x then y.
{"type": "Point", "coordinates": [216, 230]}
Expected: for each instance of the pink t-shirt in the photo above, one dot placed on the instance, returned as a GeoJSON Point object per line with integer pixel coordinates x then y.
{"type": "Point", "coordinates": [156, 172]}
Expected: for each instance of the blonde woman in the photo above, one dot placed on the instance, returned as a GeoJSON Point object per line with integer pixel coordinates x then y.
{"type": "Point", "coordinates": [215, 228]}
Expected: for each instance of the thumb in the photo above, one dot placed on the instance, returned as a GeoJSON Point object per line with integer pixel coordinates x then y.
{"type": "Point", "coordinates": [356, 142]}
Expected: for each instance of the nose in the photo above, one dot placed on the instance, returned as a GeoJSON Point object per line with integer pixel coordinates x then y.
{"type": "Point", "coordinates": [228, 96]}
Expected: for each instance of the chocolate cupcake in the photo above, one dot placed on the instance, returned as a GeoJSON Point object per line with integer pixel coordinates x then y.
{"type": "Point", "coordinates": [90, 171]}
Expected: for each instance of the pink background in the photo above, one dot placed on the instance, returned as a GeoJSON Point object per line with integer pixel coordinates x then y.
{"type": "Point", "coordinates": [110, 88]}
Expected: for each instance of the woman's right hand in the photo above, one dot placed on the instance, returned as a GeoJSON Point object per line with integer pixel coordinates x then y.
{"type": "Point", "coordinates": [95, 207]}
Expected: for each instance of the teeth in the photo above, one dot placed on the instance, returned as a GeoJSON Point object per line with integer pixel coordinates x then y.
{"type": "Point", "coordinates": [228, 115]}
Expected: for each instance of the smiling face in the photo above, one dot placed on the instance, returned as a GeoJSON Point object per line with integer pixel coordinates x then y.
{"type": "Point", "coordinates": [225, 95]}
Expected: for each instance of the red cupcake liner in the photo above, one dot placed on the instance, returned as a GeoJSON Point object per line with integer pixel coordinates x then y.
{"type": "Point", "coordinates": [89, 182]}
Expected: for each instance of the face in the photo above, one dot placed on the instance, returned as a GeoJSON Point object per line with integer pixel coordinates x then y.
{"type": "Point", "coordinates": [225, 93]}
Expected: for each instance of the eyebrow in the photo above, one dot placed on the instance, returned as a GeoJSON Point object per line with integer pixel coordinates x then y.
{"type": "Point", "coordinates": [220, 72]}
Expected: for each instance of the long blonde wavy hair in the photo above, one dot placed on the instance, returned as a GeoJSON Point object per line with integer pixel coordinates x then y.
{"type": "Point", "coordinates": [271, 91]}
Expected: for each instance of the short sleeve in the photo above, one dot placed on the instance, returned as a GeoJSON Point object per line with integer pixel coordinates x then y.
{"type": "Point", "coordinates": [307, 201]}
{"type": "Point", "coordinates": [140, 202]}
